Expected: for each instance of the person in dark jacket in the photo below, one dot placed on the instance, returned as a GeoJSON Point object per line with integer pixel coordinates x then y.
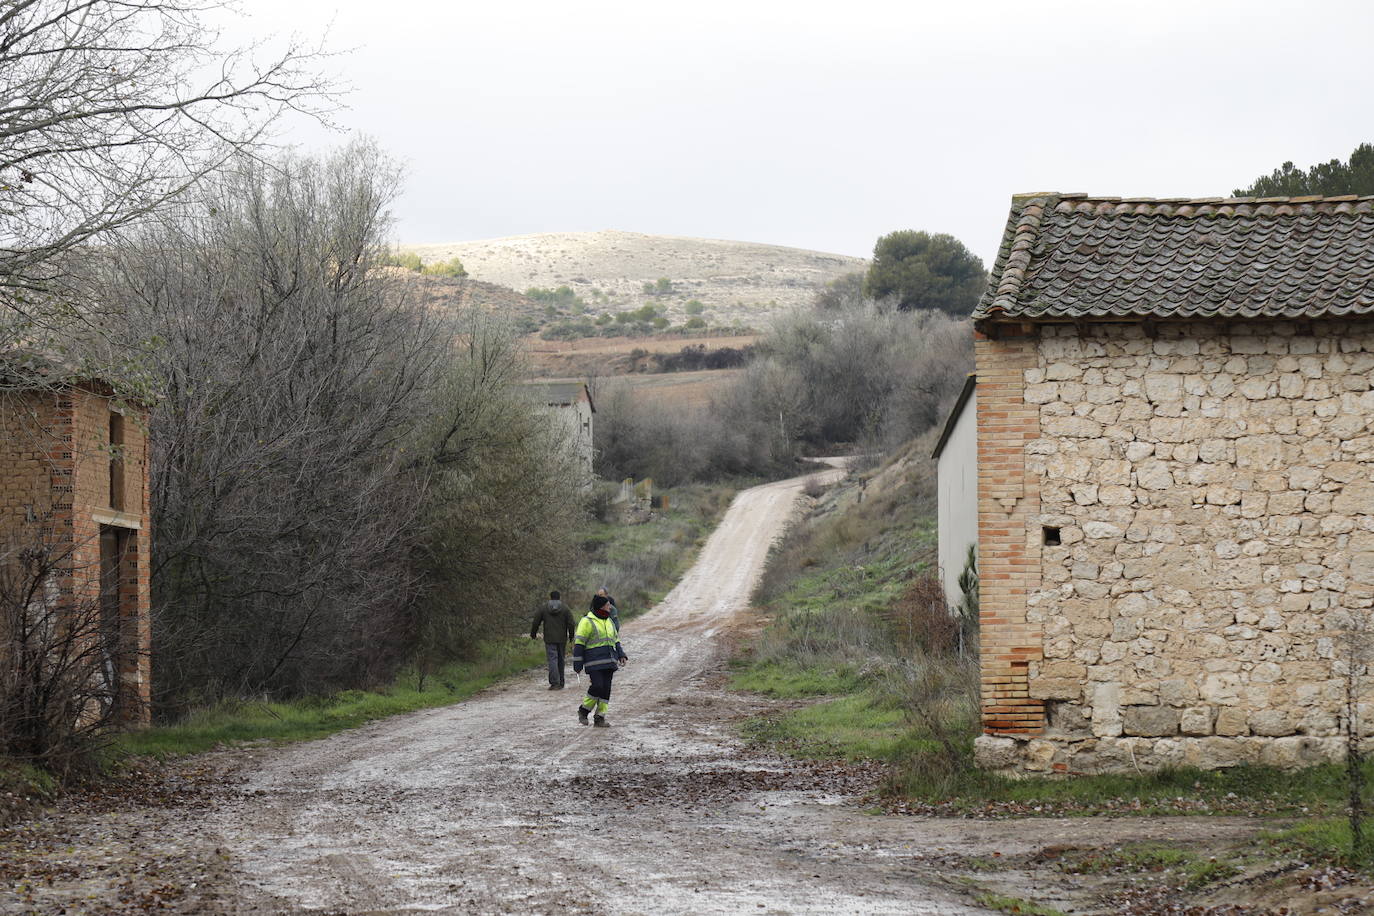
{"type": "Point", "coordinates": [596, 647]}
{"type": "Point", "coordinates": [615, 611]}
{"type": "Point", "coordinates": [557, 620]}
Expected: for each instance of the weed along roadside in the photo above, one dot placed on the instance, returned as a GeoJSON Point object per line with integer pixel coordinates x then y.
{"type": "Point", "coordinates": [640, 562]}
{"type": "Point", "coordinates": [845, 647]}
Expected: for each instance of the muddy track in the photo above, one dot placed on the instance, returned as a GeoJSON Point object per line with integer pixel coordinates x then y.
{"type": "Point", "coordinates": [504, 804]}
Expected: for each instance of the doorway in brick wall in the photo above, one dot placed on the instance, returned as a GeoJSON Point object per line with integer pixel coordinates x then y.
{"type": "Point", "coordinates": [117, 611]}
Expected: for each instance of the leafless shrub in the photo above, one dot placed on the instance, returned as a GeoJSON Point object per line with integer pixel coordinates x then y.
{"type": "Point", "coordinates": [601, 500]}
{"type": "Point", "coordinates": [674, 445]}
{"type": "Point", "coordinates": [291, 373]}
{"type": "Point", "coordinates": [59, 660]}
{"type": "Point", "coordinates": [940, 697]}
{"type": "Point", "coordinates": [867, 373]}
{"type": "Point", "coordinates": [862, 376]}
{"type": "Point", "coordinates": [842, 638]}
{"type": "Point", "coordinates": [923, 620]}
{"type": "Point", "coordinates": [112, 110]}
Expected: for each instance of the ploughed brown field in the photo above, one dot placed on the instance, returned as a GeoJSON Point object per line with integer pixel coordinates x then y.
{"type": "Point", "coordinates": [622, 361]}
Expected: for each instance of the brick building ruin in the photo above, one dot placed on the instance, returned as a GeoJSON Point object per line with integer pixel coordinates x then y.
{"type": "Point", "coordinates": [74, 486]}
{"type": "Point", "coordinates": [1175, 423]}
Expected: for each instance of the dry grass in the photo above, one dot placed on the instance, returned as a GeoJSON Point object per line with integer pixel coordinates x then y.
{"type": "Point", "coordinates": [681, 389]}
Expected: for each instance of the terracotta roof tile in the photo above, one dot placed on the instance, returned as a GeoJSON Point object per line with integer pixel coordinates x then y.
{"type": "Point", "coordinates": [1073, 256]}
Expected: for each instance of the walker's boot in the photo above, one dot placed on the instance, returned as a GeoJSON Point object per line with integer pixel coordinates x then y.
{"type": "Point", "coordinates": [582, 714]}
{"type": "Point", "coordinates": [553, 686]}
{"type": "Point", "coordinates": [600, 722]}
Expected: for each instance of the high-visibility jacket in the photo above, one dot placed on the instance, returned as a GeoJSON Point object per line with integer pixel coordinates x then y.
{"type": "Point", "coordinates": [596, 644]}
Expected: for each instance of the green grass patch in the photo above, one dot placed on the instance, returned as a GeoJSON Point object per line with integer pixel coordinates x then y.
{"type": "Point", "coordinates": [779, 679]}
{"type": "Point", "coordinates": [1248, 790]}
{"type": "Point", "coordinates": [1135, 857]}
{"type": "Point", "coordinates": [861, 726]}
{"type": "Point", "coordinates": [317, 717]}
{"type": "Point", "coordinates": [1324, 839]}
{"type": "Point", "coordinates": [1014, 905]}
{"type": "Point", "coordinates": [23, 780]}
{"type": "Point", "coordinates": [1202, 872]}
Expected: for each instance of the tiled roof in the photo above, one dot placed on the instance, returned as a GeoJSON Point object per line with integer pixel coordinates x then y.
{"type": "Point", "coordinates": [1070, 256]}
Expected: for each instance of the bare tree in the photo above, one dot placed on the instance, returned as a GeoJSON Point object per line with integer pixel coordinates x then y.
{"type": "Point", "coordinates": [108, 110]}
{"type": "Point", "coordinates": [343, 478]}
{"type": "Point", "coordinates": [59, 657]}
{"type": "Point", "coordinates": [504, 497]}
{"type": "Point", "coordinates": [292, 372]}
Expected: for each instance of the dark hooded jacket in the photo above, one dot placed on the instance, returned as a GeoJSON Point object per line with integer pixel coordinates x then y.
{"type": "Point", "coordinates": [557, 620]}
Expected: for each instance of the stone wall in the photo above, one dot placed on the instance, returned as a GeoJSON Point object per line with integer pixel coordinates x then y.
{"type": "Point", "coordinates": [1206, 522]}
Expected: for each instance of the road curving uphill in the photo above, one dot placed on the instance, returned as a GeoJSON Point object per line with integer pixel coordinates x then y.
{"type": "Point", "coordinates": [504, 804]}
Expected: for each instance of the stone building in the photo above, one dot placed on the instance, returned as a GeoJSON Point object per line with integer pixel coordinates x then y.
{"type": "Point", "coordinates": [74, 480]}
{"type": "Point", "coordinates": [572, 410]}
{"type": "Point", "coordinates": [1175, 480]}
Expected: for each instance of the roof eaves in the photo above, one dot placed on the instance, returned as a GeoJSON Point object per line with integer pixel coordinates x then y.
{"type": "Point", "coordinates": [1014, 256]}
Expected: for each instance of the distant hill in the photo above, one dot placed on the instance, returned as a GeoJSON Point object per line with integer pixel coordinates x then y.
{"type": "Point", "coordinates": [737, 282]}
{"type": "Point", "coordinates": [454, 293]}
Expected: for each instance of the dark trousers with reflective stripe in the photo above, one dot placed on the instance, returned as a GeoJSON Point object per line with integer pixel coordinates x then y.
{"type": "Point", "coordinates": [599, 693]}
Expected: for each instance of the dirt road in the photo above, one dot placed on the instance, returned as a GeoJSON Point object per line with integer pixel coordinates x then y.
{"type": "Point", "coordinates": [504, 804]}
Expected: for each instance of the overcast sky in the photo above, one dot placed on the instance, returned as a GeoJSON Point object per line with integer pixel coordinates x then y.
{"type": "Point", "coordinates": [825, 125]}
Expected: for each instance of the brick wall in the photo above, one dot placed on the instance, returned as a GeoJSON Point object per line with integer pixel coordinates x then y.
{"type": "Point", "coordinates": [55, 487]}
{"type": "Point", "coordinates": [92, 456]}
{"type": "Point", "coordinates": [27, 450]}
{"type": "Point", "coordinates": [1008, 547]}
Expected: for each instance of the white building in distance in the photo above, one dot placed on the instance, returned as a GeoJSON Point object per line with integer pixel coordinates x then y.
{"type": "Point", "coordinates": [956, 462]}
{"type": "Point", "coordinates": [571, 407]}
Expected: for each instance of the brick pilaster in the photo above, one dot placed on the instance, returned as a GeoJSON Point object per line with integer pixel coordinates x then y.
{"type": "Point", "coordinates": [1008, 545]}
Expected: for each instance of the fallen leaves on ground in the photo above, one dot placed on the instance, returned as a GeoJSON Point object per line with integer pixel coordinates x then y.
{"type": "Point", "coordinates": [98, 847]}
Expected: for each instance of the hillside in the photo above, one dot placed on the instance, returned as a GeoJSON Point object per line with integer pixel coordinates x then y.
{"type": "Point", "coordinates": [738, 283]}
{"type": "Point", "coordinates": [456, 293]}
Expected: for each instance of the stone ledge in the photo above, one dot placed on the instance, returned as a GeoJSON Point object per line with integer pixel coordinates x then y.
{"type": "Point", "coordinates": [1020, 756]}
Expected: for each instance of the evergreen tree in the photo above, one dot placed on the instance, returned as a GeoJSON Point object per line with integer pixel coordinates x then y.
{"type": "Point", "coordinates": [1325, 178]}
{"type": "Point", "coordinates": [925, 271]}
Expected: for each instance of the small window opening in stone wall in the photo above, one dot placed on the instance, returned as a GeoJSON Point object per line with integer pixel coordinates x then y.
{"type": "Point", "coordinates": [116, 462]}
{"type": "Point", "coordinates": [1051, 537]}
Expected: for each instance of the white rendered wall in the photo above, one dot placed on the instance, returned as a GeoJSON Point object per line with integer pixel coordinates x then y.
{"type": "Point", "coordinates": [575, 425]}
{"type": "Point", "coordinates": [958, 498]}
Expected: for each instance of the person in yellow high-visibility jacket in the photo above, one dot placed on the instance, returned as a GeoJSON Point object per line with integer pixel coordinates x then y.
{"type": "Point", "coordinates": [596, 647]}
